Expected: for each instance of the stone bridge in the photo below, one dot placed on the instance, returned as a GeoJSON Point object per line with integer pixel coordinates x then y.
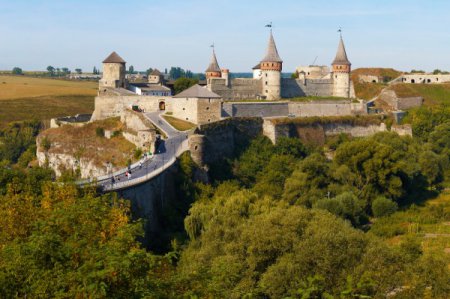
{"type": "Point", "coordinates": [142, 171]}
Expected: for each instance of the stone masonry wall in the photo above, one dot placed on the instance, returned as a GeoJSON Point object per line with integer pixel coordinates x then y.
{"type": "Point", "coordinates": [112, 106]}
{"type": "Point", "coordinates": [239, 89]}
{"type": "Point", "coordinates": [254, 109]}
{"type": "Point", "coordinates": [291, 88]}
{"type": "Point", "coordinates": [317, 132]}
{"type": "Point", "coordinates": [215, 141]}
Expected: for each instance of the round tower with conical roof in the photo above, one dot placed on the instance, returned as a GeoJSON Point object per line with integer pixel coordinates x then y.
{"type": "Point", "coordinates": [213, 70]}
{"type": "Point", "coordinates": [271, 66]}
{"type": "Point", "coordinates": [341, 68]}
{"type": "Point", "coordinates": [113, 72]}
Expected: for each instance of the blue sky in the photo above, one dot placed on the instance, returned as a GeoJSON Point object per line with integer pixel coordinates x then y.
{"type": "Point", "coordinates": [153, 33]}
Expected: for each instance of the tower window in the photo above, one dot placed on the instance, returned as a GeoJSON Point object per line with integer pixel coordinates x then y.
{"type": "Point", "coordinates": [266, 82]}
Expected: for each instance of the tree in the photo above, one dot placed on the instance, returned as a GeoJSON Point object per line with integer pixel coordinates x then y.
{"type": "Point", "coordinates": [148, 71]}
{"type": "Point", "coordinates": [382, 206]}
{"type": "Point", "coordinates": [176, 73]}
{"type": "Point", "coordinates": [437, 71]}
{"type": "Point", "coordinates": [95, 71]}
{"type": "Point", "coordinates": [131, 69]}
{"type": "Point", "coordinates": [183, 83]}
{"type": "Point", "coordinates": [65, 71]}
{"type": "Point", "coordinates": [78, 71]}
{"type": "Point", "coordinates": [17, 71]}
{"type": "Point", "coordinates": [51, 70]}
{"type": "Point", "coordinates": [79, 246]}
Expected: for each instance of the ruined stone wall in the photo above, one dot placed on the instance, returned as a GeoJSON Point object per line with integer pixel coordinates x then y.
{"type": "Point", "coordinates": [291, 88]}
{"type": "Point", "coordinates": [139, 130]}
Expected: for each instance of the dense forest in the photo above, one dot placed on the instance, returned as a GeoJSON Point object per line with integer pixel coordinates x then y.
{"type": "Point", "coordinates": [276, 221]}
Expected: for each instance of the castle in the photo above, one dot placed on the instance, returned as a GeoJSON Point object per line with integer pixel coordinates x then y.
{"type": "Point", "coordinates": [268, 84]}
{"type": "Point", "coordinates": [211, 103]}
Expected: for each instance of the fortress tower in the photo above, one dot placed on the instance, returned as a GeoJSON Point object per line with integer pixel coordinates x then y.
{"type": "Point", "coordinates": [113, 72]}
{"type": "Point", "coordinates": [341, 68]}
{"type": "Point", "coordinates": [271, 66]}
{"type": "Point", "coordinates": [213, 70]}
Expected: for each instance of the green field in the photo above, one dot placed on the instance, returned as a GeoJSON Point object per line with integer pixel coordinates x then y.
{"type": "Point", "coordinates": [434, 94]}
{"type": "Point", "coordinates": [26, 98]}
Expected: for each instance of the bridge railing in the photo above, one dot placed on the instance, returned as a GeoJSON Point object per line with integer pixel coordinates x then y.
{"type": "Point", "coordinates": [136, 181]}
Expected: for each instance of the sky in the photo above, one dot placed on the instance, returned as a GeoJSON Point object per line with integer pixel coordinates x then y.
{"type": "Point", "coordinates": [400, 34]}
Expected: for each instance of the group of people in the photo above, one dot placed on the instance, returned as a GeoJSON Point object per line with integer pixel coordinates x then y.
{"type": "Point", "coordinates": [128, 172]}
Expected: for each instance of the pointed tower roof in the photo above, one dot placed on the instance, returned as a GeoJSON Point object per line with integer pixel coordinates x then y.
{"type": "Point", "coordinates": [197, 91]}
{"type": "Point", "coordinates": [213, 65]}
{"type": "Point", "coordinates": [114, 58]}
{"type": "Point", "coordinates": [272, 52]}
{"type": "Point", "coordinates": [341, 55]}
{"type": "Point", "coordinates": [155, 72]}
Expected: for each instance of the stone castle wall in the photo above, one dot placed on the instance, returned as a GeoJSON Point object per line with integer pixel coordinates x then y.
{"type": "Point", "coordinates": [291, 88]}
{"type": "Point", "coordinates": [239, 89]}
{"type": "Point", "coordinates": [216, 141]}
{"type": "Point", "coordinates": [396, 103]}
{"type": "Point", "coordinates": [297, 109]}
{"type": "Point", "coordinates": [424, 78]}
{"type": "Point", "coordinates": [254, 109]}
{"type": "Point", "coordinates": [317, 132]}
{"type": "Point", "coordinates": [112, 106]}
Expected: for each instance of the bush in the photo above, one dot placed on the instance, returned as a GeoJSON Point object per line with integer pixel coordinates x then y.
{"type": "Point", "coordinates": [46, 144]}
{"type": "Point", "coordinates": [100, 132]}
{"type": "Point", "coordinates": [116, 133]}
{"type": "Point", "coordinates": [382, 206]}
{"type": "Point", "coordinates": [137, 153]}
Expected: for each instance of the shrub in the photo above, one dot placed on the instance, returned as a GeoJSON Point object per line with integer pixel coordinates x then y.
{"type": "Point", "coordinates": [46, 144]}
{"type": "Point", "coordinates": [100, 132]}
{"type": "Point", "coordinates": [116, 133]}
{"type": "Point", "coordinates": [382, 206]}
{"type": "Point", "coordinates": [137, 153]}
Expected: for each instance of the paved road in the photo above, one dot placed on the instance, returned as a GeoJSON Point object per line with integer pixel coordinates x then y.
{"type": "Point", "coordinates": [166, 152]}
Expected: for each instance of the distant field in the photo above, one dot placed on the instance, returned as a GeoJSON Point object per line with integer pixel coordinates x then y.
{"type": "Point", "coordinates": [434, 94]}
{"type": "Point", "coordinates": [24, 98]}
{"type": "Point", "coordinates": [15, 87]}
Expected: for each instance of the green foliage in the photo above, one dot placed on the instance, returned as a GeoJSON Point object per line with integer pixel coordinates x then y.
{"type": "Point", "coordinates": [425, 119]}
{"type": "Point", "coordinates": [137, 153]}
{"type": "Point", "coordinates": [345, 205]}
{"type": "Point", "coordinates": [63, 244]}
{"type": "Point", "coordinates": [183, 83]}
{"type": "Point", "coordinates": [382, 206]}
{"type": "Point", "coordinates": [100, 132]}
{"type": "Point", "coordinates": [16, 139]}
{"type": "Point", "coordinates": [17, 71]}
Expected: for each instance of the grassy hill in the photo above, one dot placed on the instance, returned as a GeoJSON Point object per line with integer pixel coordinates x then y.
{"type": "Point", "coordinates": [24, 98]}
{"type": "Point", "coordinates": [425, 223]}
{"type": "Point", "coordinates": [434, 94]}
{"type": "Point", "coordinates": [368, 91]}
